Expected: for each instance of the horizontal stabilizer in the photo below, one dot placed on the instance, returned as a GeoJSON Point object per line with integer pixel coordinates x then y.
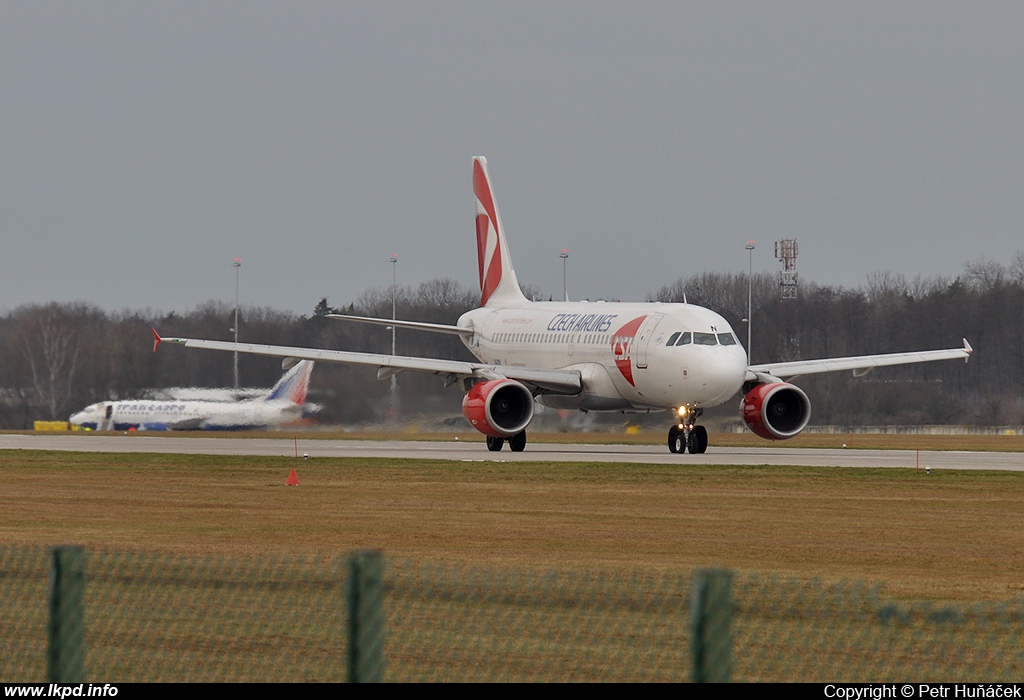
{"type": "Point", "coordinates": [414, 325]}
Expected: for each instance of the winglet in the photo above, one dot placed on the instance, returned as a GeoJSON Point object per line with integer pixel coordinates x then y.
{"type": "Point", "coordinates": [157, 339]}
{"type": "Point", "coordinates": [968, 349]}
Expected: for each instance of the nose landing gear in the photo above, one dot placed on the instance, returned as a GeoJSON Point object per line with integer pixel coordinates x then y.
{"type": "Point", "coordinates": [686, 436]}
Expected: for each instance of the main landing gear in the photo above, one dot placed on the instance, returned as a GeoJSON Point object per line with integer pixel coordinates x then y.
{"type": "Point", "coordinates": [516, 443]}
{"type": "Point", "coordinates": [689, 437]}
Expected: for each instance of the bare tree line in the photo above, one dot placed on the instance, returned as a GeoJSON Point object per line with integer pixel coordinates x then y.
{"type": "Point", "coordinates": [58, 358]}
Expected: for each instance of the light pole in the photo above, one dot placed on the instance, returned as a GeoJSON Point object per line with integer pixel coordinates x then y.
{"type": "Point", "coordinates": [564, 255]}
{"type": "Point", "coordinates": [394, 288]}
{"type": "Point", "coordinates": [236, 264]}
{"type": "Point", "coordinates": [750, 278]}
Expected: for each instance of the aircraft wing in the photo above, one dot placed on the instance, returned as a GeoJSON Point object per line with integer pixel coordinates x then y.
{"type": "Point", "coordinates": [859, 365]}
{"type": "Point", "coordinates": [549, 380]}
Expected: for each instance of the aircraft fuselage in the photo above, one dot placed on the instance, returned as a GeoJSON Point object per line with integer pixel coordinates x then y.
{"type": "Point", "coordinates": [631, 356]}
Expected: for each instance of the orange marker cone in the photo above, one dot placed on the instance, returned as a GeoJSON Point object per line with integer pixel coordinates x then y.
{"type": "Point", "coordinates": [293, 479]}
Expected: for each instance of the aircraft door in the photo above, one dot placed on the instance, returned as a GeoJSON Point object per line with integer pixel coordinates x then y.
{"type": "Point", "coordinates": [644, 337]}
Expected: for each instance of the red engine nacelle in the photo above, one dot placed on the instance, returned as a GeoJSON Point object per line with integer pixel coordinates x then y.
{"type": "Point", "coordinates": [499, 407]}
{"type": "Point", "coordinates": [776, 411]}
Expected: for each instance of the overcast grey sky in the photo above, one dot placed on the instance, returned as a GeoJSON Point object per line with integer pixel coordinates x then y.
{"type": "Point", "coordinates": [145, 145]}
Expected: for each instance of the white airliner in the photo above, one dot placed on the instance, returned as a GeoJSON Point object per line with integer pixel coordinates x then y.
{"type": "Point", "coordinates": [282, 405]}
{"type": "Point", "coordinates": [626, 357]}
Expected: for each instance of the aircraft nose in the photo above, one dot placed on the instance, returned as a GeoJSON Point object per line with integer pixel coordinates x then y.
{"type": "Point", "coordinates": [723, 374]}
{"type": "Point", "coordinates": [81, 417]}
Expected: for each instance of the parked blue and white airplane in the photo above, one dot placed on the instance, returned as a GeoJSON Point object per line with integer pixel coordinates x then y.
{"type": "Point", "coordinates": [285, 403]}
{"type": "Point", "coordinates": [623, 357]}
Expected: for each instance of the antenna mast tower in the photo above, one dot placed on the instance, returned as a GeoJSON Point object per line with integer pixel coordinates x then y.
{"type": "Point", "coordinates": [786, 251]}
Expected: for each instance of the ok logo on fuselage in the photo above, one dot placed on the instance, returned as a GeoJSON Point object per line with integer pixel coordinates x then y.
{"type": "Point", "coordinates": [622, 345]}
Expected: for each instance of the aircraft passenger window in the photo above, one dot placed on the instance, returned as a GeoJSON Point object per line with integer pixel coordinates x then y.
{"type": "Point", "coordinates": [672, 339]}
{"type": "Point", "coordinates": [685, 338]}
{"type": "Point", "coordinates": [705, 339]}
{"type": "Point", "coordinates": [726, 339]}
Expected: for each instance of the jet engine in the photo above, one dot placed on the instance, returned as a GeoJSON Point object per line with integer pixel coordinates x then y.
{"type": "Point", "coordinates": [776, 411]}
{"type": "Point", "coordinates": [499, 407]}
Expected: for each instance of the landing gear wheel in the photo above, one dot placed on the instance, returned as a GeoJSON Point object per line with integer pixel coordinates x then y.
{"type": "Point", "coordinates": [517, 443]}
{"type": "Point", "coordinates": [699, 435]}
{"type": "Point", "coordinates": [673, 439]}
{"type": "Point", "coordinates": [494, 443]}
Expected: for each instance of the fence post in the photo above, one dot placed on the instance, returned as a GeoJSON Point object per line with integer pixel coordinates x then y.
{"type": "Point", "coordinates": [365, 617]}
{"type": "Point", "coordinates": [711, 611]}
{"type": "Point", "coordinates": [65, 659]}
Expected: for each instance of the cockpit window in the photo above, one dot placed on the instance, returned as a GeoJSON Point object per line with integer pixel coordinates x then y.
{"type": "Point", "coordinates": [726, 339]}
{"type": "Point", "coordinates": [672, 339]}
{"type": "Point", "coordinates": [685, 338]}
{"type": "Point", "coordinates": [705, 339]}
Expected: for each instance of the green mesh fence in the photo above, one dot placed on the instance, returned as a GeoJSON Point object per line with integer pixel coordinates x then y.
{"type": "Point", "coordinates": [462, 624]}
{"type": "Point", "coordinates": [172, 618]}
{"type": "Point", "coordinates": [809, 631]}
{"type": "Point", "coordinates": [185, 619]}
{"type": "Point", "coordinates": [24, 613]}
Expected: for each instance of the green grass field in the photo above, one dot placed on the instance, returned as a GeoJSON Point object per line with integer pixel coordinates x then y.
{"type": "Point", "coordinates": [954, 535]}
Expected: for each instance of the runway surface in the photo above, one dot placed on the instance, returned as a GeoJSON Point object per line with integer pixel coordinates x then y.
{"type": "Point", "coordinates": [535, 452]}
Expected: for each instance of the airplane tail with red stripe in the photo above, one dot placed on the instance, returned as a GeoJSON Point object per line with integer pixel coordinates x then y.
{"type": "Point", "coordinates": [293, 385]}
{"type": "Point", "coordinates": [498, 283]}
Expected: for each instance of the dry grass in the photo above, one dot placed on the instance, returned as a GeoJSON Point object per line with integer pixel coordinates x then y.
{"type": "Point", "coordinates": [948, 536]}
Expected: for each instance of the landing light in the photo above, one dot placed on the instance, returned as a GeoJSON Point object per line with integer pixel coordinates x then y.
{"type": "Point", "coordinates": [682, 411]}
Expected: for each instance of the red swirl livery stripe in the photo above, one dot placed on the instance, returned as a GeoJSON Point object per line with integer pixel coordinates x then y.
{"type": "Point", "coordinates": [622, 345]}
{"type": "Point", "coordinates": [490, 277]}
